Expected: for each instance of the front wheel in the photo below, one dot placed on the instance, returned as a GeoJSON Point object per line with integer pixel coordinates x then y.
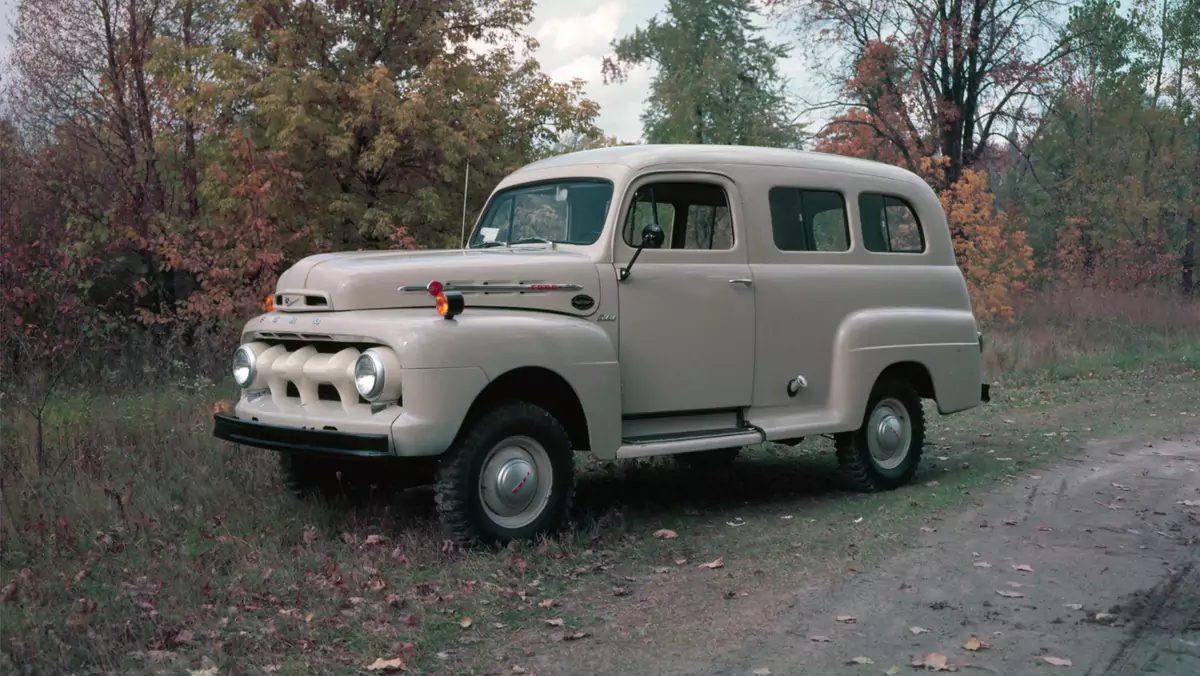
{"type": "Point", "coordinates": [884, 453]}
{"type": "Point", "coordinates": [509, 476]}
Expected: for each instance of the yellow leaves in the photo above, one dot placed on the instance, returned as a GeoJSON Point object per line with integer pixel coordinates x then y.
{"type": "Point", "coordinates": [991, 250]}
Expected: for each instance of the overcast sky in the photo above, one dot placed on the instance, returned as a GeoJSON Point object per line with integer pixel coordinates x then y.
{"type": "Point", "coordinates": [574, 35]}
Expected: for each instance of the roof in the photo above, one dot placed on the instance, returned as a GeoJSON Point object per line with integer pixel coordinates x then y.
{"type": "Point", "coordinates": [641, 156]}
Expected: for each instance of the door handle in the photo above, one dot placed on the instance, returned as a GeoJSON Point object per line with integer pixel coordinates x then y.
{"type": "Point", "coordinates": [744, 282]}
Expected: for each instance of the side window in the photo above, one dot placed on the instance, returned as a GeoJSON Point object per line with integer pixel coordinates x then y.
{"type": "Point", "coordinates": [692, 215]}
{"type": "Point", "coordinates": [809, 220]}
{"type": "Point", "coordinates": [889, 225]}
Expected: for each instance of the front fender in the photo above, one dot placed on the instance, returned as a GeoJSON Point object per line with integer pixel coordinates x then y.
{"type": "Point", "coordinates": [498, 342]}
{"type": "Point", "coordinates": [446, 364]}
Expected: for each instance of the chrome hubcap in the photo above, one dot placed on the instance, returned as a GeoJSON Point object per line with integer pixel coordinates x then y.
{"type": "Point", "coordinates": [889, 433]}
{"type": "Point", "coordinates": [515, 481]}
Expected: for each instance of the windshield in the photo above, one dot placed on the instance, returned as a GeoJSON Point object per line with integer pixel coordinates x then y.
{"type": "Point", "coordinates": [565, 212]}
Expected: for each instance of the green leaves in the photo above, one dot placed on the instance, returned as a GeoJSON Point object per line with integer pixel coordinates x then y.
{"type": "Point", "coordinates": [716, 81]}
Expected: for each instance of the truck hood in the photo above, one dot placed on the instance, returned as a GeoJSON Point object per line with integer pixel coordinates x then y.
{"type": "Point", "coordinates": [371, 280]}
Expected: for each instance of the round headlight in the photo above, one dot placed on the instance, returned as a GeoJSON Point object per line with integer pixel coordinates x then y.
{"type": "Point", "coordinates": [244, 370]}
{"type": "Point", "coordinates": [369, 375]}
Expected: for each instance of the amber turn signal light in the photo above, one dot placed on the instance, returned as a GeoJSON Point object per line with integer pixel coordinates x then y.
{"type": "Point", "coordinates": [270, 304]}
{"type": "Point", "coordinates": [450, 304]}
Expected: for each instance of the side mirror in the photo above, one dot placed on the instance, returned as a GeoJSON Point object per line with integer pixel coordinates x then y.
{"type": "Point", "coordinates": [652, 237]}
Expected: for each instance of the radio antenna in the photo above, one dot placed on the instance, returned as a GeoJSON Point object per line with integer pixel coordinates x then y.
{"type": "Point", "coordinates": [463, 240]}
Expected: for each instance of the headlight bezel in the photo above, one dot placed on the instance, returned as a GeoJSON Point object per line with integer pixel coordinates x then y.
{"type": "Point", "coordinates": [251, 364]}
{"type": "Point", "coordinates": [376, 361]}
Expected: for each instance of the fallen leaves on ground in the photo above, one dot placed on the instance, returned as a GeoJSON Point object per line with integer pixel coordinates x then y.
{"type": "Point", "coordinates": [1074, 606]}
{"type": "Point", "coordinates": [661, 570]}
{"type": "Point", "coordinates": [974, 643]}
{"type": "Point", "coordinates": [576, 636]}
{"type": "Point", "coordinates": [548, 603]}
{"type": "Point", "coordinates": [1104, 618]}
{"type": "Point", "coordinates": [1190, 503]}
{"type": "Point", "coordinates": [762, 672]}
{"type": "Point", "coordinates": [1010, 594]}
{"type": "Point", "coordinates": [860, 660]}
{"type": "Point", "coordinates": [982, 564]}
{"type": "Point", "coordinates": [381, 664]}
{"type": "Point", "coordinates": [374, 540]}
{"type": "Point", "coordinates": [718, 562]}
{"type": "Point", "coordinates": [464, 622]}
{"type": "Point", "coordinates": [665, 534]}
{"type": "Point", "coordinates": [1022, 568]}
{"type": "Point", "coordinates": [927, 529]}
{"type": "Point", "coordinates": [1056, 661]}
{"type": "Point", "coordinates": [918, 630]}
{"type": "Point", "coordinates": [846, 619]}
{"type": "Point", "coordinates": [555, 622]}
{"type": "Point", "coordinates": [932, 661]}
{"type": "Point", "coordinates": [821, 639]}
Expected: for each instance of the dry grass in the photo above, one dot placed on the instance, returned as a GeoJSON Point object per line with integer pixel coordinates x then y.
{"type": "Point", "coordinates": [1076, 326]}
{"type": "Point", "coordinates": [148, 546]}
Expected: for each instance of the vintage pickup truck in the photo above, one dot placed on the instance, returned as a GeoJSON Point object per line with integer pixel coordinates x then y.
{"type": "Point", "coordinates": [628, 302]}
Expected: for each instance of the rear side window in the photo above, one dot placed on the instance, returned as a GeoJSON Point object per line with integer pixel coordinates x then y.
{"type": "Point", "coordinates": [809, 220]}
{"type": "Point", "coordinates": [889, 225]}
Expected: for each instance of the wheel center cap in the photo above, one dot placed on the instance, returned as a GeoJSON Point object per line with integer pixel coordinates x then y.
{"type": "Point", "coordinates": [890, 434]}
{"type": "Point", "coordinates": [516, 483]}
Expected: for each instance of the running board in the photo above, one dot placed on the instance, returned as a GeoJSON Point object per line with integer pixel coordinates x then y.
{"type": "Point", "coordinates": [687, 442]}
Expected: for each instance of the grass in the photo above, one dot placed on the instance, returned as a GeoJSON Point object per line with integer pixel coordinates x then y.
{"type": "Point", "coordinates": [148, 547]}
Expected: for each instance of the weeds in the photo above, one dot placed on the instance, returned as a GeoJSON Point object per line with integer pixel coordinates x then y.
{"type": "Point", "coordinates": [144, 545]}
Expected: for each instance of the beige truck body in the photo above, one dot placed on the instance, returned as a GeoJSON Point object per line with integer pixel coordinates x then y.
{"type": "Point", "coordinates": [699, 348]}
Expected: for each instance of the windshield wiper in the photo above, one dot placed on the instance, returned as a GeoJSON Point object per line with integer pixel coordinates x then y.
{"type": "Point", "coordinates": [527, 240]}
{"type": "Point", "coordinates": [533, 240]}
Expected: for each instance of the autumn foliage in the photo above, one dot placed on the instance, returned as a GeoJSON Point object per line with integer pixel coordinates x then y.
{"type": "Point", "coordinates": [991, 250]}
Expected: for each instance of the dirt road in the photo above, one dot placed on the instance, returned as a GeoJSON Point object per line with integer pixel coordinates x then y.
{"type": "Point", "coordinates": [1095, 560]}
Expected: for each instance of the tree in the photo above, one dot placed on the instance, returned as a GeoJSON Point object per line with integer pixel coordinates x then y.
{"type": "Point", "coordinates": [381, 104]}
{"type": "Point", "coordinates": [716, 79]}
{"type": "Point", "coordinates": [942, 76]}
{"type": "Point", "coordinates": [1108, 182]}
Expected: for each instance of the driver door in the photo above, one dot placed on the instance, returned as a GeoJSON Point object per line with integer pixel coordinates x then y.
{"type": "Point", "coordinates": [686, 311]}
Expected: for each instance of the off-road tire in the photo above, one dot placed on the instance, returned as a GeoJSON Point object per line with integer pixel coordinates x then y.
{"type": "Point", "coordinates": [457, 492]}
{"type": "Point", "coordinates": [707, 461]}
{"type": "Point", "coordinates": [855, 461]}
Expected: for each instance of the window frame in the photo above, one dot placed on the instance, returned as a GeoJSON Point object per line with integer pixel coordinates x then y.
{"type": "Point", "coordinates": [887, 227]}
{"type": "Point", "coordinates": [510, 192]}
{"type": "Point", "coordinates": [808, 230]}
{"type": "Point", "coordinates": [705, 179]}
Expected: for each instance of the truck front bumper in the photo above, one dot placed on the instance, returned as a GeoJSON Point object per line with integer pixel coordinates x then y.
{"type": "Point", "coordinates": [299, 440]}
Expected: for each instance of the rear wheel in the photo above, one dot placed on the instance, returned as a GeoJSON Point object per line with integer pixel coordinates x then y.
{"type": "Point", "coordinates": [509, 476]}
{"type": "Point", "coordinates": [884, 453]}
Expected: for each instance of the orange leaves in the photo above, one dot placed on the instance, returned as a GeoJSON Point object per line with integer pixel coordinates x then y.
{"type": "Point", "coordinates": [991, 250]}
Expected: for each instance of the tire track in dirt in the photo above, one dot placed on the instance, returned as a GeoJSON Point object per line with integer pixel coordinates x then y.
{"type": "Point", "coordinates": [1165, 638]}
